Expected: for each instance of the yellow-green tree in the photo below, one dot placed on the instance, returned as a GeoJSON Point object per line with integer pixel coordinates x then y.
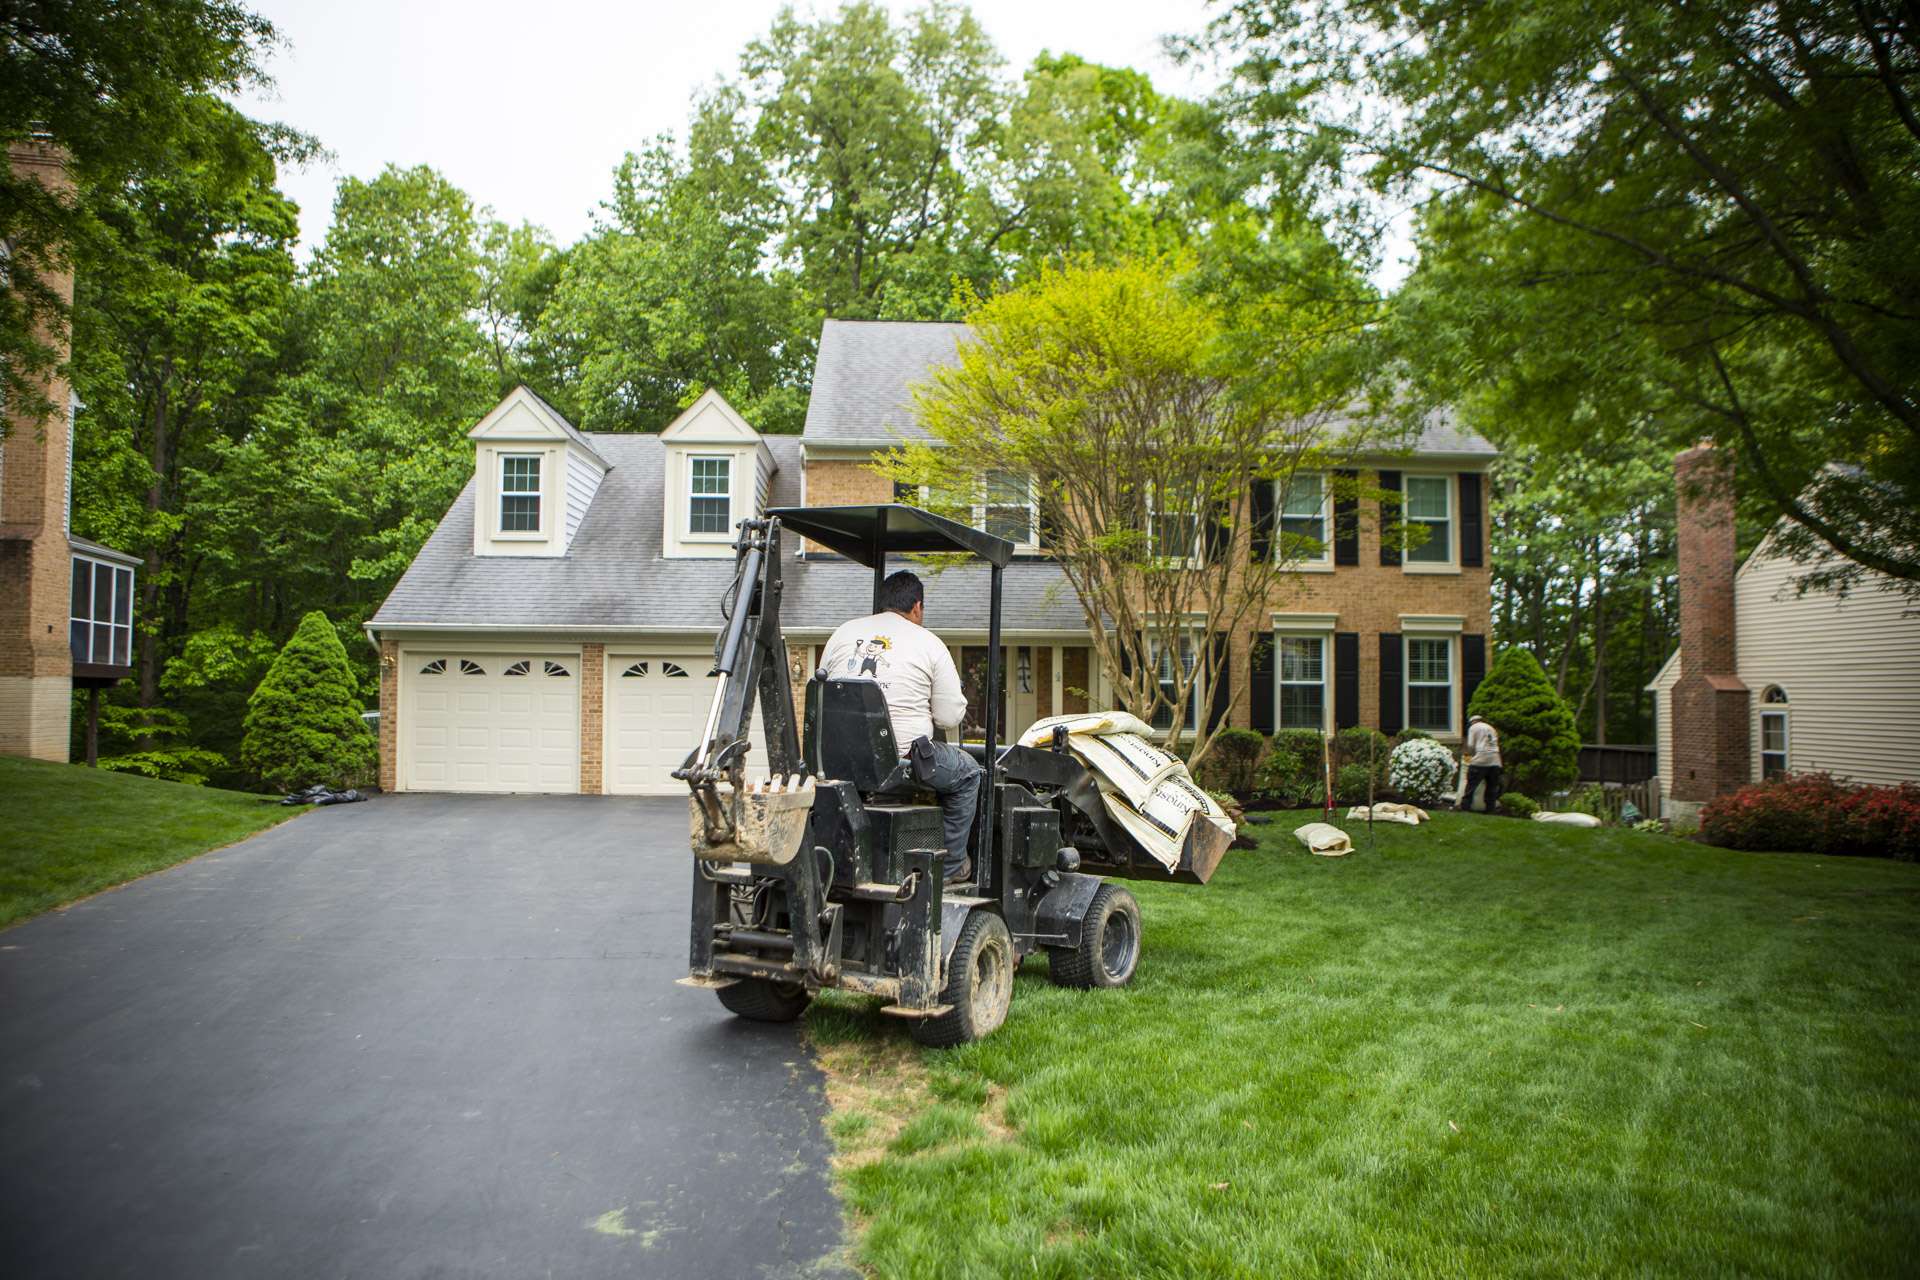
{"type": "Point", "coordinates": [1114, 397]}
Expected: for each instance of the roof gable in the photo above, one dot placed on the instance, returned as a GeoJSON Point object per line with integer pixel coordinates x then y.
{"type": "Point", "coordinates": [524, 416]}
{"type": "Point", "coordinates": [709, 420]}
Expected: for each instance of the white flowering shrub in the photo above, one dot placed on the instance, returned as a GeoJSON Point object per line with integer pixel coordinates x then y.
{"type": "Point", "coordinates": [1421, 770]}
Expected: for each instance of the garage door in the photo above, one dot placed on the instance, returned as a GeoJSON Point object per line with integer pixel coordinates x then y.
{"type": "Point", "coordinates": [490, 722]}
{"type": "Point", "coordinates": [656, 709]}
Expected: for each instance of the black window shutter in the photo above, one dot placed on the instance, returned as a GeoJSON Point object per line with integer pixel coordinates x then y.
{"type": "Point", "coordinates": [1222, 681]}
{"type": "Point", "coordinates": [1049, 523]}
{"type": "Point", "coordinates": [1260, 683]}
{"type": "Point", "coordinates": [1473, 666]}
{"type": "Point", "coordinates": [1215, 533]}
{"type": "Point", "coordinates": [1346, 679]}
{"type": "Point", "coordinates": [1471, 535]}
{"type": "Point", "coordinates": [1260, 508]}
{"type": "Point", "coordinates": [907, 493]}
{"type": "Point", "coordinates": [1389, 521]}
{"type": "Point", "coordinates": [1346, 523]}
{"type": "Point", "coordinates": [1390, 697]}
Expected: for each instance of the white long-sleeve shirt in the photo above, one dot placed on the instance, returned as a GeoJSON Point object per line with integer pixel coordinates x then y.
{"type": "Point", "coordinates": [911, 665]}
{"type": "Point", "coordinates": [1483, 744]}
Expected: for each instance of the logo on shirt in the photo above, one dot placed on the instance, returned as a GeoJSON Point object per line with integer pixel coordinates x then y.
{"type": "Point", "coordinates": [868, 655]}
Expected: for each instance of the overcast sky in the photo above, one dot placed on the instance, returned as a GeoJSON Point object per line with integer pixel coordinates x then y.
{"type": "Point", "coordinates": [529, 106]}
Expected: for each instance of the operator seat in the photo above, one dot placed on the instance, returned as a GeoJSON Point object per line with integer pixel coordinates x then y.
{"type": "Point", "coordinates": [849, 738]}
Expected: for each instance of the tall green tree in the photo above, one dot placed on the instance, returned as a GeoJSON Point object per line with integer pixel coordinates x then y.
{"type": "Point", "coordinates": [181, 308]}
{"type": "Point", "coordinates": [120, 88]}
{"type": "Point", "coordinates": [1698, 219]}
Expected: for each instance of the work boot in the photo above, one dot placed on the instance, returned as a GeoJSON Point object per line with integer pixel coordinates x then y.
{"type": "Point", "coordinates": [961, 874]}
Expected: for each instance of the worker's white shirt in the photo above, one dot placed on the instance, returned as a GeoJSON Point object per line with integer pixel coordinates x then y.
{"type": "Point", "coordinates": [912, 666]}
{"type": "Point", "coordinates": [1483, 744]}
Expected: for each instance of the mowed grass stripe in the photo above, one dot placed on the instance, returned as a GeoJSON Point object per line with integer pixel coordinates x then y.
{"type": "Point", "coordinates": [70, 831]}
{"type": "Point", "coordinates": [1484, 1046]}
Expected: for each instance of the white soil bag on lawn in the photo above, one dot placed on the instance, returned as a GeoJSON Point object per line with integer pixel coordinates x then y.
{"type": "Point", "coordinates": [1412, 815]}
{"type": "Point", "coordinates": [1148, 792]}
{"type": "Point", "coordinates": [1327, 841]}
{"type": "Point", "coordinates": [1567, 819]}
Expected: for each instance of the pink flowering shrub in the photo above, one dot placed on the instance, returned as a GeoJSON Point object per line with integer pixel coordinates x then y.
{"type": "Point", "coordinates": [1817, 813]}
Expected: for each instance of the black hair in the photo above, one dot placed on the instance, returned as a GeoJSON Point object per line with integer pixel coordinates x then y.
{"type": "Point", "coordinates": [901, 591]}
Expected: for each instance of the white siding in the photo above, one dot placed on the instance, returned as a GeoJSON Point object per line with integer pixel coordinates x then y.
{"type": "Point", "coordinates": [1851, 670]}
{"type": "Point", "coordinates": [583, 481]}
{"type": "Point", "coordinates": [1662, 686]}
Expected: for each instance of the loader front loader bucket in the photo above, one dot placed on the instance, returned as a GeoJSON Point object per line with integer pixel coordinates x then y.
{"type": "Point", "coordinates": [769, 822]}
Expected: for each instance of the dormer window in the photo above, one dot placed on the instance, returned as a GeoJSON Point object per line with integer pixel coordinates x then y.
{"type": "Point", "coordinates": [710, 499]}
{"type": "Point", "coordinates": [520, 493]}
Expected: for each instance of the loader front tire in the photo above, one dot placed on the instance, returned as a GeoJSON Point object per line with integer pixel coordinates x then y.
{"type": "Point", "coordinates": [765, 1001]}
{"type": "Point", "coordinates": [979, 984]}
{"type": "Point", "coordinates": [1109, 949]}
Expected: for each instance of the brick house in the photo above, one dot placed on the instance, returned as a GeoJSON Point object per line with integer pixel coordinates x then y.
{"type": "Point", "coordinates": [1767, 680]}
{"type": "Point", "coordinates": [555, 632]}
{"type": "Point", "coordinates": [66, 604]}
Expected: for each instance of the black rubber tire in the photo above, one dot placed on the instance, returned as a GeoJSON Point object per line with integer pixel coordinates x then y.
{"type": "Point", "coordinates": [979, 984]}
{"type": "Point", "coordinates": [765, 1001]}
{"type": "Point", "coordinates": [1109, 949]}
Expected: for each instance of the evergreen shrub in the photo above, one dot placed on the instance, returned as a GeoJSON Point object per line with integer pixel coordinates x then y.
{"type": "Point", "coordinates": [303, 724]}
{"type": "Point", "coordinates": [1539, 745]}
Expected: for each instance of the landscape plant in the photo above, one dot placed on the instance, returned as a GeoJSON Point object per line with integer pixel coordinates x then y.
{"type": "Point", "coordinates": [1236, 759]}
{"type": "Point", "coordinates": [1422, 770]}
{"type": "Point", "coordinates": [1820, 813]}
{"type": "Point", "coordinates": [303, 722]}
{"type": "Point", "coordinates": [1293, 773]}
{"type": "Point", "coordinates": [1539, 746]}
{"type": "Point", "coordinates": [1516, 805]}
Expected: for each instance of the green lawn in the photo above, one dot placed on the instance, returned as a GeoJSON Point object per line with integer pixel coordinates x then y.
{"type": "Point", "coordinates": [70, 831]}
{"type": "Point", "coordinates": [1486, 1047]}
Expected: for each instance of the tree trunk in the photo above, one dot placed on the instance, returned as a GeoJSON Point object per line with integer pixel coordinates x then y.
{"type": "Point", "coordinates": [159, 457]}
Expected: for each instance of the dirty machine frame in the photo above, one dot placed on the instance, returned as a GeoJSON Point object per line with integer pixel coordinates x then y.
{"type": "Point", "coordinates": [825, 870]}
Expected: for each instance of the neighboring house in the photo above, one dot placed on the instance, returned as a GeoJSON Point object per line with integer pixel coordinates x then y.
{"type": "Point", "coordinates": [1769, 681]}
{"type": "Point", "coordinates": [556, 631]}
{"type": "Point", "coordinates": [66, 604]}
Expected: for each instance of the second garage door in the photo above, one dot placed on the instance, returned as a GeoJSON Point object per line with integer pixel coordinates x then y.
{"type": "Point", "coordinates": [656, 708]}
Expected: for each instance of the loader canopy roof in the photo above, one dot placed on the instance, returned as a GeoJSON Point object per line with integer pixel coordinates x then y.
{"type": "Point", "coordinates": [868, 534]}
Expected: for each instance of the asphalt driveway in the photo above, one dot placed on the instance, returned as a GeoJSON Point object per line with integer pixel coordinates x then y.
{"type": "Point", "coordinates": [425, 1036]}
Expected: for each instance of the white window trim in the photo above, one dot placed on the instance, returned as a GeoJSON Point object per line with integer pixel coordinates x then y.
{"type": "Point", "coordinates": [686, 506]}
{"type": "Point", "coordinates": [977, 514]}
{"type": "Point", "coordinates": [1195, 557]}
{"type": "Point", "coordinates": [1322, 563]}
{"type": "Point", "coordinates": [500, 496]}
{"type": "Point", "coordinates": [1197, 637]}
{"type": "Point", "coordinates": [1326, 678]}
{"type": "Point", "coordinates": [1032, 542]}
{"type": "Point", "coordinates": [1453, 682]}
{"type": "Point", "coordinates": [1452, 563]}
{"type": "Point", "coordinates": [1784, 711]}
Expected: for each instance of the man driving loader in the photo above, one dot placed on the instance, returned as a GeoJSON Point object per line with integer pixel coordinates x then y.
{"type": "Point", "coordinates": [922, 688]}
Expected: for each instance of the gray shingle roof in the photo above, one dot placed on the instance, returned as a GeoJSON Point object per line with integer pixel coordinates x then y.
{"type": "Point", "coordinates": [863, 386]}
{"type": "Point", "coordinates": [613, 577]}
{"type": "Point", "coordinates": [863, 375]}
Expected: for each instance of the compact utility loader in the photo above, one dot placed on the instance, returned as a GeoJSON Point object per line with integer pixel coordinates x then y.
{"type": "Point", "coordinates": [825, 871]}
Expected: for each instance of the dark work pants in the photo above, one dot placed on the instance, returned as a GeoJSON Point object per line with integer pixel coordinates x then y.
{"type": "Point", "coordinates": [956, 780]}
{"type": "Point", "coordinates": [1477, 774]}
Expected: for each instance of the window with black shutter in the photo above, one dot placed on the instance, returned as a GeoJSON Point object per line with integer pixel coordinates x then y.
{"type": "Point", "coordinates": [1391, 713]}
{"type": "Point", "coordinates": [1346, 679]}
{"type": "Point", "coordinates": [1260, 683]}
{"type": "Point", "coordinates": [1346, 520]}
{"type": "Point", "coordinates": [1472, 522]}
{"type": "Point", "coordinates": [1389, 520]}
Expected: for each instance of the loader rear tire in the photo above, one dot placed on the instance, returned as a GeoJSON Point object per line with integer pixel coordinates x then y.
{"type": "Point", "coordinates": [979, 984]}
{"type": "Point", "coordinates": [1109, 949]}
{"type": "Point", "coordinates": [765, 1001]}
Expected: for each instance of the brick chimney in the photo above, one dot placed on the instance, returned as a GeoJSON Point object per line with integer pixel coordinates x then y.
{"type": "Point", "coordinates": [1709, 732]}
{"type": "Point", "coordinates": [36, 666]}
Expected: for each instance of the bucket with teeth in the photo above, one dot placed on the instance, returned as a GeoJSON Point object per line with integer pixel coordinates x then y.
{"type": "Point", "coordinates": [769, 821]}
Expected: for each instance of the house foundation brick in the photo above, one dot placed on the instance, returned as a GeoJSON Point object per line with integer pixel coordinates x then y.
{"type": "Point", "coordinates": [593, 702]}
